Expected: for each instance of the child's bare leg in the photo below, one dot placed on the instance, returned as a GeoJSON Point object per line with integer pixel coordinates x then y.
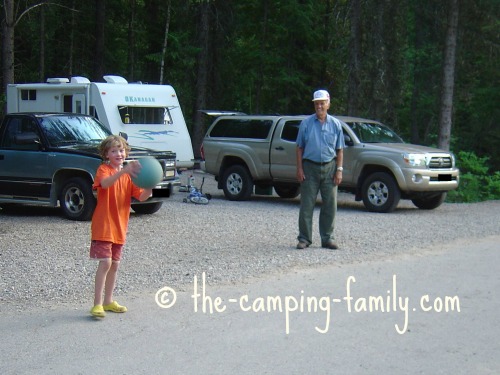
{"type": "Point", "coordinates": [110, 283]}
{"type": "Point", "coordinates": [100, 280]}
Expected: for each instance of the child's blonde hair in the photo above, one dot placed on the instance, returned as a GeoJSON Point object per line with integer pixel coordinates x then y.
{"type": "Point", "coordinates": [113, 141]}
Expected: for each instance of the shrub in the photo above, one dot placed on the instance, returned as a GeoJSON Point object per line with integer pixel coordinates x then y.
{"type": "Point", "coordinates": [476, 183]}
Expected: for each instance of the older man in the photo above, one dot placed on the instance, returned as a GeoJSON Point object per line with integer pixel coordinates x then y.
{"type": "Point", "coordinates": [320, 144]}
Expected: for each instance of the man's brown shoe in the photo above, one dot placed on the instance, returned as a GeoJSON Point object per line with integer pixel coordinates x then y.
{"type": "Point", "coordinates": [302, 245]}
{"type": "Point", "coordinates": [330, 245]}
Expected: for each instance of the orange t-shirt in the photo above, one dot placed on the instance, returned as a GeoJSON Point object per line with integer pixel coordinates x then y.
{"type": "Point", "coordinates": [111, 215]}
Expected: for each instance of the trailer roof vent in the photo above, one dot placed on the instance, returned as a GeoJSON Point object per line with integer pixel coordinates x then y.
{"type": "Point", "coordinates": [57, 80]}
{"type": "Point", "coordinates": [79, 80]}
{"type": "Point", "coordinates": [115, 79]}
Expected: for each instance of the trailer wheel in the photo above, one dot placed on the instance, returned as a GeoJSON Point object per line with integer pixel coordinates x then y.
{"type": "Point", "coordinates": [380, 192]}
{"type": "Point", "coordinates": [77, 199]}
{"type": "Point", "coordinates": [237, 183]}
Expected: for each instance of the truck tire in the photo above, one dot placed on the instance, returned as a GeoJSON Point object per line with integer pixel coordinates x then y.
{"type": "Point", "coordinates": [287, 191]}
{"type": "Point", "coordinates": [146, 208]}
{"type": "Point", "coordinates": [237, 183]}
{"type": "Point", "coordinates": [77, 199]}
{"type": "Point", "coordinates": [380, 192]}
{"type": "Point", "coordinates": [430, 202]}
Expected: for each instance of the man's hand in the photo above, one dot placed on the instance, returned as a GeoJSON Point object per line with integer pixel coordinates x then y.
{"type": "Point", "coordinates": [337, 178]}
{"type": "Point", "coordinates": [300, 175]}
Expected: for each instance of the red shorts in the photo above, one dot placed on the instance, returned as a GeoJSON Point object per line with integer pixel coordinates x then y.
{"type": "Point", "coordinates": [106, 250]}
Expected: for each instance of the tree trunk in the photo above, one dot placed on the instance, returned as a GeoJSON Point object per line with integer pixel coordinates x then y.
{"type": "Point", "coordinates": [8, 44]}
{"type": "Point", "coordinates": [131, 41]}
{"type": "Point", "coordinates": [41, 68]}
{"type": "Point", "coordinates": [100, 20]}
{"type": "Point", "coordinates": [165, 42]}
{"type": "Point", "coordinates": [71, 51]}
{"type": "Point", "coordinates": [417, 76]}
{"type": "Point", "coordinates": [259, 82]}
{"type": "Point", "coordinates": [445, 114]}
{"type": "Point", "coordinates": [355, 57]}
{"type": "Point", "coordinates": [201, 77]}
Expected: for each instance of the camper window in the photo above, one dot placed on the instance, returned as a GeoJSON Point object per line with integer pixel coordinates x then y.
{"type": "Point", "coordinates": [28, 94]}
{"type": "Point", "coordinates": [146, 115]}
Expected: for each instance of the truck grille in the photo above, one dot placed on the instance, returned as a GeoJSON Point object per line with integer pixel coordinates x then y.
{"type": "Point", "coordinates": [440, 162]}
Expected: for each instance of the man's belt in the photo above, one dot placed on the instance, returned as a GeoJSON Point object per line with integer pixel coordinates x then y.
{"type": "Point", "coordinates": [318, 163]}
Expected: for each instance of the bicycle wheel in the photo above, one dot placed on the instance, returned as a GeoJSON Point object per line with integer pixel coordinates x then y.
{"type": "Point", "coordinates": [199, 200]}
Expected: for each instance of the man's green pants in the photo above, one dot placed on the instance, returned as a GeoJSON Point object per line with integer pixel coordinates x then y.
{"type": "Point", "coordinates": [318, 178]}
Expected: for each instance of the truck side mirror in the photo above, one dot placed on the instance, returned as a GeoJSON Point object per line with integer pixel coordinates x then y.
{"type": "Point", "coordinates": [123, 135]}
{"type": "Point", "coordinates": [27, 141]}
{"type": "Point", "coordinates": [348, 141]}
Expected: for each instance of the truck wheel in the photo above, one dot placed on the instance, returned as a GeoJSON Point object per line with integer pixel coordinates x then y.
{"type": "Point", "coordinates": [77, 199]}
{"type": "Point", "coordinates": [237, 183]}
{"type": "Point", "coordinates": [380, 192]}
{"type": "Point", "coordinates": [287, 191]}
{"type": "Point", "coordinates": [146, 208]}
{"type": "Point", "coordinates": [430, 202]}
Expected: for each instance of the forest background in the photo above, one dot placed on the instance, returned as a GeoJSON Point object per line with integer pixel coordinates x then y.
{"type": "Point", "coordinates": [381, 59]}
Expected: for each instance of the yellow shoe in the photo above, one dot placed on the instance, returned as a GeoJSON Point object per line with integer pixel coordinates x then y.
{"type": "Point", "coordinates": [115, 307]}
{"type": "Point", "coordinates": [98, 311]}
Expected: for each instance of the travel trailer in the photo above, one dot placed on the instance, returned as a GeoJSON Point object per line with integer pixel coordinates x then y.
{"type": "Point", "coordinates": [150, 114]}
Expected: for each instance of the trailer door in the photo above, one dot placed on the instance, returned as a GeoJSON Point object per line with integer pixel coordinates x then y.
{"type": "Point", "coordinates": [78, 104]}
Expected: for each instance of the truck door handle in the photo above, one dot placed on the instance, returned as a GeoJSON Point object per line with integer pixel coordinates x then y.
{"type": "Point", "coordinates": [279, 148]}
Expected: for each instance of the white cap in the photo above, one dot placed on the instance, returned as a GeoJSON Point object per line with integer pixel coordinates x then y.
{"type": "Point", "coordinates": [321, 95]}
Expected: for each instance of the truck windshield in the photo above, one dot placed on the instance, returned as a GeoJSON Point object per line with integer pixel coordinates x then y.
{"type": "Point", "coordinates": [72, 129]}
{"type": "Point", "coordinates": [372, 132]}
{"type": "Point", "coordinates": [146, 115]}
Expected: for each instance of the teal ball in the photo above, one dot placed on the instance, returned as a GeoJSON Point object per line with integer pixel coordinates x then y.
{"type": "Point", "coordinates": [150, 174]}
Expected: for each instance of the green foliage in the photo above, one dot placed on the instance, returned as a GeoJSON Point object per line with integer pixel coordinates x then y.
{"type": "Point", "coordinates": [476, 183]}
{"type": "Point", "coordinates": [269, 56]}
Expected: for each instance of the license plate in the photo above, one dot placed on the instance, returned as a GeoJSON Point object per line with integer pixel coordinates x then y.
{"type": "Point", "coordinates": [444, 177]}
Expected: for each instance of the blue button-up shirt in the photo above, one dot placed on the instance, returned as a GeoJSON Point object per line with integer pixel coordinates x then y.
{"type": "Point", "coordinates": [318, 141]}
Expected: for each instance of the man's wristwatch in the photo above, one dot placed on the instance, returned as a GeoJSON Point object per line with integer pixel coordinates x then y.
{"type": "Point", "coordinates": [340, 169]}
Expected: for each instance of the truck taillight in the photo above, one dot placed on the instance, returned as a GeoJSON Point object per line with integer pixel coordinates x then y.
{"type": "Point", "coordinates": [202, 152]}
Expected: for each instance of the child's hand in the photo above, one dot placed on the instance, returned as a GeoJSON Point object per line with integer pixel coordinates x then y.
{"type": "Point", "coordinates": [133, 168]}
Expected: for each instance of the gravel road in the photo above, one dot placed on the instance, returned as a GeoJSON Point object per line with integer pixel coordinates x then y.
{"type": "Point", "coordinates": [44, 257]}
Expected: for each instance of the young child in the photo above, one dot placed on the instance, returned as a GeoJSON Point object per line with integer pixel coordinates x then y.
{"type": "Point", "coordinates": [115, 190]}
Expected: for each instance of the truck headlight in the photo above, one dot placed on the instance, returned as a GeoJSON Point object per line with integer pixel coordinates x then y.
{"type": "Point", "coordinates": [169, 163]}
{"type": "Point", "coordinates": [415, 160]}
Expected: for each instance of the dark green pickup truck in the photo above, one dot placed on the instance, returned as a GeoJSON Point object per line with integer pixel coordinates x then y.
{"type": "Point", "coordinates": [51, 159]}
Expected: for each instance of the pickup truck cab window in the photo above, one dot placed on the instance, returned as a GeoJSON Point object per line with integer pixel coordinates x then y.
{"type": "Point", "coordinates": [290, 131]}
{"type": "Point", "coordinates": [17, 133]}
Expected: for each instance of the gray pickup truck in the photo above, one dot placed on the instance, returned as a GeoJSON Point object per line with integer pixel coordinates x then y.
{"type": "Point", "coordinates": [50, 159]}
{"type": "Point", "coordinates": [243, 151]}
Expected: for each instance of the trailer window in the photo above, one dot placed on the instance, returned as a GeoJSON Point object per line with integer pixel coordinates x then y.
{"type": "Point", "coordinates": [146, 115]}
{"type": "Point", "coordinates": [28, 94]}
